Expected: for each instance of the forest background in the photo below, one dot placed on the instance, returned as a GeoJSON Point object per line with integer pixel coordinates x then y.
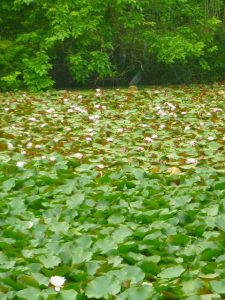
{"type": "Point", "coordinates": [66, 44]}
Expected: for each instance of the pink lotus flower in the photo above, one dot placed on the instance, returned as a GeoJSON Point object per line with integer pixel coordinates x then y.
{"type": "Point", "coordinates": [193, 143]}
{"type": "Point", "coordinates": [192, 161]}
{"type": "Point", "coordinates": [216, 109]}
{"type": "Point", "coordinates": [78, 155]}
{"type": "Point", "coordinates": [141, 149]}
{"type": "Point", "coordinates": [154, 136]}
{"type": "Point", "coordinates": [148, 139]}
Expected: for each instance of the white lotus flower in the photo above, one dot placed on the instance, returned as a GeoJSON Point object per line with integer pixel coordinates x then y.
{"type": "Point", "coordinates": [29, 145]}
{"type": "Point", "coordinates": [52, 158]}
{"type": "Point", "coordinates": [162, 113]}
{"type": "Point", "coordinates": [57, 282]}
{"type": "Point", "coordinates": [154, 136]}
{"type": "Point", "coordinates": [79, 96]}
{"type": "Point", "coordinates": [223, 138]}
{"type": "Point", "coordinates": [43, 157]}
{"type": "Point", "coordinates": [78, 155]}
{"type": "Point", "coordinates": [192, 161]}
{"type": "Point", "coordinates": [91, 118]}
{"type": "Point", "coordinates": [50, 110]}
{"type": "Point", "coordinates": [10, 146]}
{"type": "Point", "coordinates": [32, 119]}
{"type": "Point", "coordinates": [171, 105]}
{"type": "Point", "coordinates": [70, 110]}
{"type": "Point", "coordinates": [23, 152]}
{"type": "Point", "coordinates": [38, 147]}
{"type": "Point", "coordinates": [187, 128]}
{"type": "Point", "coordinates": [98, 90]}
{"type": "Point", "coordinates": [20, 164]}
{"type": "Point", "coordinates": [120, 130]}
{"type": "Point", "coordinates": [100, 166]}
{"type": "Point", "coordinates": [77, 108]}
{"type": "Point", "coordinates": [183, 113]}
{"type": "Point", "coordinates": [30, 224]}
{"type": "Point", "coordinates": [210, 138]}
{"type": "Point", "coordinates": [146, 283]}
{"type": "Point", "coordinates": [162, 126]}
{"type": "Point", "coordinates": [94, 118]}
{"type": "Point", "coordinates": [97, 106]}
{"type": "Point", "coordinates": [109, 139]}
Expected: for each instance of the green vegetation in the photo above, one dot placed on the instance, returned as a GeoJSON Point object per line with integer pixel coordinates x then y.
{"type": "Point", "coordinates": [65, 43]}
{"type": "Point", "coordinates": [121, 192]}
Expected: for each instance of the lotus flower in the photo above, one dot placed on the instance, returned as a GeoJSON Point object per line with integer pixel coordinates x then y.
{"type": "Point", "coordinates": [20, 164]}
{"type": "Point", "coordinates": [57, 282]}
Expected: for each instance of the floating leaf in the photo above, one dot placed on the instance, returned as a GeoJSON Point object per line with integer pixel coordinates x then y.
{"type": "Point", "coordinates": [172, 272]}
{"type": "Point", "coordinates": [103, 287]}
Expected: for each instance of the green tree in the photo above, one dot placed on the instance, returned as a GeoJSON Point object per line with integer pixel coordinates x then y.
{"type": "Point", "coordinates": [70, 42]}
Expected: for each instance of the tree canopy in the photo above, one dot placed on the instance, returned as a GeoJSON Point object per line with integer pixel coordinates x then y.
{"type": "Point", "coordinates": [65, 43]}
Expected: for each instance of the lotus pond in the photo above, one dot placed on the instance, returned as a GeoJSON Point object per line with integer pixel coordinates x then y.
{"type": "Point", "coordinates": [119, 193]}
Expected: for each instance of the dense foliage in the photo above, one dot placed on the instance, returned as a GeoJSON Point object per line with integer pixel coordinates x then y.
{"type": "Point", "coordinates": [64, 43]}
{"type": "Point", "coordinates": [122, 192]}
